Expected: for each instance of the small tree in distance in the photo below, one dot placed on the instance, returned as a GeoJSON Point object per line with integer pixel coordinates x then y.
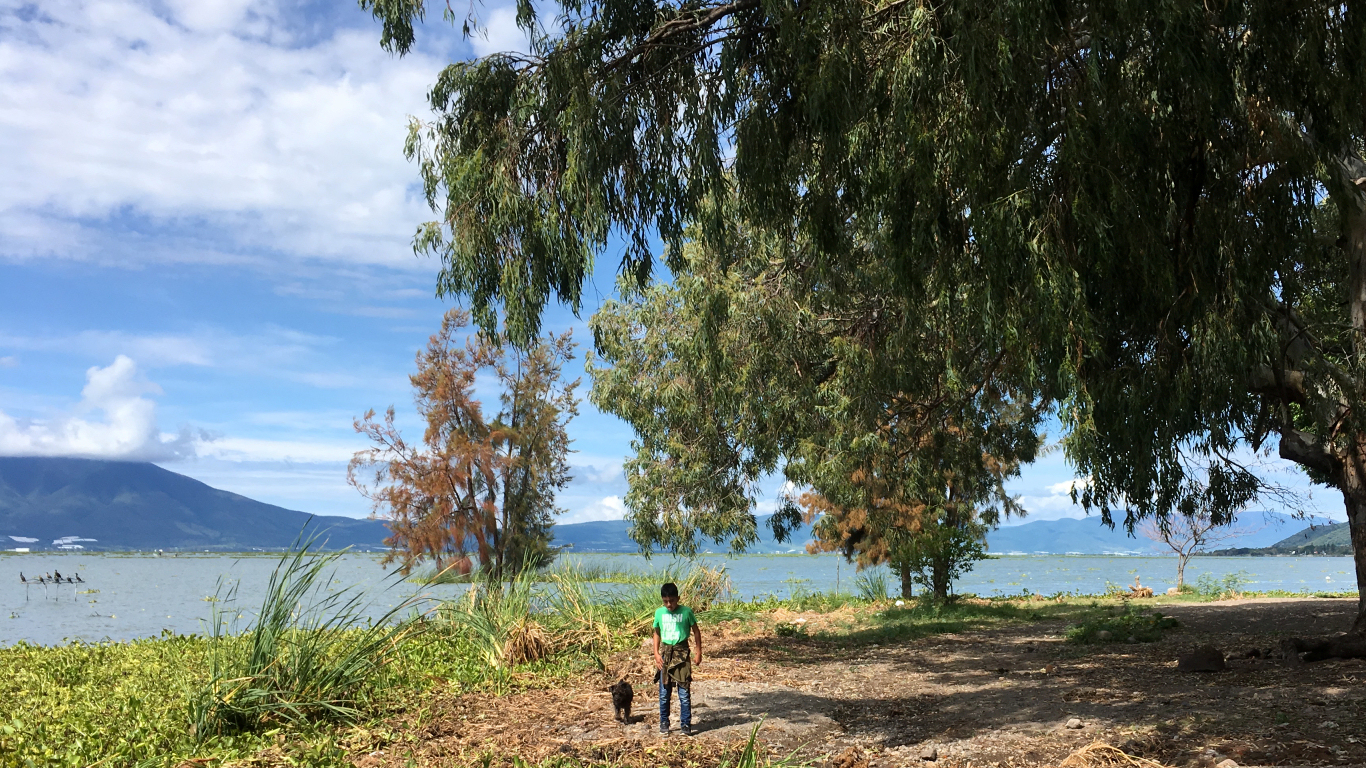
{"type": "Point", "coordinates": [1186, 535]}
{"type": "Point", "coordinates": [475, 485]}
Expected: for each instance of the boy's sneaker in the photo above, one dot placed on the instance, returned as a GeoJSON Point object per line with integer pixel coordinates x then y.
{"type": "Point", "coordinates": [686, 730]}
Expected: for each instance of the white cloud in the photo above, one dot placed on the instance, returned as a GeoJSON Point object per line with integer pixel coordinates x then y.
{"type": "Point", "coordinates": [608, 508]}
{"type": "Point", "coordinates": [596, 469]}
{"type": "Point", "coordinates": [9, 361]}
{"type": "Point", "coordinates": [258, 449]}
{"type": "Point", "coordinates": [499, 33]}
{"type": "Point", "coordinates": [128, 429]}
{"type": "Point", "coordinates": [209, 127]}
{"type": "Point", "coordinates": [1065, 488]}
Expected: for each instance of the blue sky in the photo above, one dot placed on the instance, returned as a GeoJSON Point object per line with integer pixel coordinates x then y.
{"type": "Point", "coordinates": [205, 251]}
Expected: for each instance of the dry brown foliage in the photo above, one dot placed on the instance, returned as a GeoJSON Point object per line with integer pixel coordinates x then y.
{"type": "Point", "coordinates": [472, 478]}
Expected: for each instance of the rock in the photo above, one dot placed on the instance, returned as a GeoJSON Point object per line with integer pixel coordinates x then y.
{"type": "Point", "coordinates": [1131, 640]}
{"type": "Point", "coordinates": [1229, 763]}
{"type": "Point", "coordinates": [1206, 658]}
{"type": "Point", "coordinates": [929, 753]}
{"type": "Point", "coordinates": [1173, 591]}
{"type": "Point", "coordinates": [1074, 724]}
{"type": "Point", "coordinates": [1105, 635]}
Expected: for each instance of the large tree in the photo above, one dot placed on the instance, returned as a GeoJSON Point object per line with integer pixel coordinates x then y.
{"type": "Point", "coordinates": [1162, 207]}
{"type": "Point", "coordinates": [897, 423]}
{"type": "Point", "coordinates": [478, 484]}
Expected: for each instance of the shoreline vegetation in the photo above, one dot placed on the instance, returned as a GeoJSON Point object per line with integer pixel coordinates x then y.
{"type": "Point", "coordinates": [299, 683]}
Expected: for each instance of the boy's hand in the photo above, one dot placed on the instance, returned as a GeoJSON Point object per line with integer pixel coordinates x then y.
{"type": "Point", "coordinates": [659, 662]}
{"type": "Point", "coordinates": [697, 657]}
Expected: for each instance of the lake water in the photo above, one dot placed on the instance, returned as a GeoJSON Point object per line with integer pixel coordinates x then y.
{"type": "Point", "coordinates": [130, 596]}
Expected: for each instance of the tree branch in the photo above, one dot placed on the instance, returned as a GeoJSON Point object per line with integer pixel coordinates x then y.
{"type": "Point", "coordinates": [1308, 450]}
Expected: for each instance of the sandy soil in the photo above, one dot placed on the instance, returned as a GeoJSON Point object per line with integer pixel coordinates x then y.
{"type": "Point", "coordinates": [996, 697]}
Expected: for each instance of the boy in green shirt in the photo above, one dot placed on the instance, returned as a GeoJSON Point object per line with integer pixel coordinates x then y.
{"type": "Point", "coordinates": [673, 622]}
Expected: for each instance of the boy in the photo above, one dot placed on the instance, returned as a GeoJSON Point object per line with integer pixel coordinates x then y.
{"type": "Point", "coordinates": [673, 622]}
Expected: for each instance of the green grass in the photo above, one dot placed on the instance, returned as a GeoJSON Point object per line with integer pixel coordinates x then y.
{"type": "Point", "coordinates": [1118, 626]}
{"type": "Point", "coordinates": [117, 704]}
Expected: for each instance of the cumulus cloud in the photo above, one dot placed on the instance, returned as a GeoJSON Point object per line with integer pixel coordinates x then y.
{"type": "Point", "coordinates": [205, 131]}
{"type": "Point", "coordinates": [1054, 503]}
{"type": "Point", "coordinates": [115, 419]}
{"type": "Point", "coordinates": [607, 508]}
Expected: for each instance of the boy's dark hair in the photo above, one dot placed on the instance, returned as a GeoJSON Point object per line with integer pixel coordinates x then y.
{"type": "Point", "coordinates": [670, 589]}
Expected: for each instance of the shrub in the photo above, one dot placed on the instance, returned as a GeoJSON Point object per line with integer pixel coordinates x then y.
{"type": "Point", "coordinates": [1214, 588]}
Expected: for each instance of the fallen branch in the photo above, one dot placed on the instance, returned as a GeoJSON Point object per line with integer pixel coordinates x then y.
{"type": "Point", "coordinates": [1319, 649]}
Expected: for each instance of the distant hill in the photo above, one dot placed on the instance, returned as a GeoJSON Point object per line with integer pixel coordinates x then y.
{"type": "Point", "coordinates": [1334, 539]}
{"type": "Point", "coordinates": [1337, 535]}
{"type": "Point", "coordinates": [1085, 536]}
{"type": "Point", "coordinates": [615, 536]}
{"type": "Point", "coordinates": [1089, 536]}
{"type": "Point", "coordinates": [49, 503]}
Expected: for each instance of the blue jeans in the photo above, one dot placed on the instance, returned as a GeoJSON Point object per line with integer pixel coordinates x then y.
{"type": "Point", "coordinates": [684, 704]}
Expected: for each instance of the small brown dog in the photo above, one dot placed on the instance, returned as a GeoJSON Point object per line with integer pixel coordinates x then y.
{"type": "Point", "coordinates": [622, 695]}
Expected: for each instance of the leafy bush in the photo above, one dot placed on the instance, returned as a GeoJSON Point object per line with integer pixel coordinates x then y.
{"type": "Point", "coordinates": [1214, 588]}
{"type": "Point", "coordinates": [1142, 626]}
{"type": "Point", "coordinates": [790, 629]}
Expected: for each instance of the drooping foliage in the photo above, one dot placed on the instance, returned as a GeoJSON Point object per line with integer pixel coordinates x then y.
{"type": "Point", "coordinates": [1159, 207]}
{"type": "Point", "coordinates": [741, 368]}
{"type": "Point", "coordinates": [474, 486]}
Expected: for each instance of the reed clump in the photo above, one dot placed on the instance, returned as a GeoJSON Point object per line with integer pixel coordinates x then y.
{"type": "Point", "coordinates": [309, 654]}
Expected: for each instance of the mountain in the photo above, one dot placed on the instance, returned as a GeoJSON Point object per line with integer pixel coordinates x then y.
{"type": "Point", "coordinates": [48, 503]}
{"type": "Point", "coordinates": [1085, 536]}
{"type": "Point", "coordinates": [615, 536]}
{"type": "Point", "coordinates": [1320, 539]}
{"type": "Point", "coordinates": [1089, 536]}
{"type": "Point", "coordinates": [1318, 536]}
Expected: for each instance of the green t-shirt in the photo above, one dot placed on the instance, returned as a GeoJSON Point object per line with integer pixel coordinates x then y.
{"type": "Point", "coordinates": [674, 627]}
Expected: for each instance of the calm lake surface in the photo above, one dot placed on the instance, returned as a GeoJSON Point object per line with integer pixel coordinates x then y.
{"type": "Point", "coordinates": [131, 596]}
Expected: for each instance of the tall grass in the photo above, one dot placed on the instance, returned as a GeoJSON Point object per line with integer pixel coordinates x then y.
{"type": "Point", "coordinates": [498, 618]}
{"type": "Point", "coordinates": [871, 585]}
{"type": "Point", "coordinates": [308, 655]}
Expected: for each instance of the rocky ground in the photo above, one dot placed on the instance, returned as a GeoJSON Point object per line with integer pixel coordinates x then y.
{"type": "Point", "coordinates": [1019, 695]}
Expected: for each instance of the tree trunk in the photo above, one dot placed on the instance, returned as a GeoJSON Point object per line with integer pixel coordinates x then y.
{"type": "Point", "coordinates": [1354, 495]}
{"type": "Point", "coordinates": [939, 577]}
{"type": "Point", "coordinates": [907, 585]}
{"type": "Point", "coordinates": [1354, 463]}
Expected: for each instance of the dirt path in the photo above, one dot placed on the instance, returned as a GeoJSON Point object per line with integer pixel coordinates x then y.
{"type": "Point", "coordinates": [997, 697]}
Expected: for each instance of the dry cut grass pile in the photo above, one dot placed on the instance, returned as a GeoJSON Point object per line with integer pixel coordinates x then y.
{"type": "Point", "coordinates": [1098, 754]}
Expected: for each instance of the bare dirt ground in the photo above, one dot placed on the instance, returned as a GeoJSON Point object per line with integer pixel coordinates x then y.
{"type": "Point", "coordinates": [1002, 696]}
